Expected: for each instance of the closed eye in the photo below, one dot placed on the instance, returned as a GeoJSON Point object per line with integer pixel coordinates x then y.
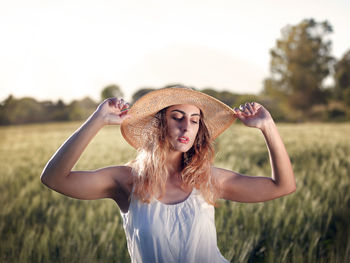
{"type": "Point", "coordinates": [177, 119]}
{"type": "Point", "coordinates": [180, 119]}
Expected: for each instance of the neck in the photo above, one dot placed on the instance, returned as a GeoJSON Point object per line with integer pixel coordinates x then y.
{"type": "Point", "coordinates": [174, 160]}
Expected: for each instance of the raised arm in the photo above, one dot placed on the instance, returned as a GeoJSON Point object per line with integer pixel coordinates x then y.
{"type": "Point", "coordinates": [101, 183]}
{"type": "Point", "coordinates": [242, 188]}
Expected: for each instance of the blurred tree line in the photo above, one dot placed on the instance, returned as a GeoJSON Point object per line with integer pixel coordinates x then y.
{"type": "Point", "coordinates": [29, 110]}
{"type": "Point", "coordinates": [296, 90]}
{"type": "Point", "coordinates": [301, 62]}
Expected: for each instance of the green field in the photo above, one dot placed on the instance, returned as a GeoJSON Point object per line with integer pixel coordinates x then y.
{"type": "Point", "coordinates": [311, 225]}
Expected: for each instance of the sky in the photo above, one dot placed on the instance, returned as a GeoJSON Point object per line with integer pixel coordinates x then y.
{"type": "Point", "coordinates": [70, 49]}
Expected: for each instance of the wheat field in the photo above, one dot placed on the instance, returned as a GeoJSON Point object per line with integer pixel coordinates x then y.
{"type": "Point", "coordinates": [311, 225]}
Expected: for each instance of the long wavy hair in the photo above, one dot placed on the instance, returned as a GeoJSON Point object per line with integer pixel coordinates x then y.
{"type": "Point", "coordinates": [149, 167]}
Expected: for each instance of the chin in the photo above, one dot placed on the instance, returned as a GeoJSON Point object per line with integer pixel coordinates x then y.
{"type": "Point", "coordinates": [182, 147]}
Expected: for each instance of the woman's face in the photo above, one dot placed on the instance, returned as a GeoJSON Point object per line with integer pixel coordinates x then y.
{"type": "Point", "coordinates": [183, 125]}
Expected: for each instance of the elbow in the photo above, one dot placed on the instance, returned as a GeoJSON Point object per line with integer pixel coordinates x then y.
{"type": "Point", "coordinates": [48, 175]}
{"type": "Point", "coordinates": [293, 186]}
{"type": "Point", "coordinates": [47, 179]}
{"type": "Point", "coordinates": [291, 189]}
{"type": "Point", "coordinates": [288, 186]}
{"type": "Point", "coordinates": [44, 179]}
{"type": "Point", "coordinates": [52, 179]}
{"type": "Point", "coordinates": [286, 190]}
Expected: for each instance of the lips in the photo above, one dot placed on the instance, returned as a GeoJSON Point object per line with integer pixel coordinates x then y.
{"type": "Point", "coordinates": [184, 139]}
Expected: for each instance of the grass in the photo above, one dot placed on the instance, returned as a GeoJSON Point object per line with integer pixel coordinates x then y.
{"type": "Point", "coordinates": [311, 225]}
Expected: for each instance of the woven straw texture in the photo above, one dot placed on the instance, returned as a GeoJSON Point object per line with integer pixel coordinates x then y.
{"type": "Point", "coordinates": [217, 115]}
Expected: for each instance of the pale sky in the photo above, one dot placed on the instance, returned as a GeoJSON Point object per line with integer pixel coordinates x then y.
{"type": "Point", "coordinates": [70, 49]}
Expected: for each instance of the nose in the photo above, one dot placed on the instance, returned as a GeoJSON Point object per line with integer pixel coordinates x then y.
{"type": "Point", "coordinates": [185, 124]}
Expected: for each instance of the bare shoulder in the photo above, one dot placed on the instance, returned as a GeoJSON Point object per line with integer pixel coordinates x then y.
{"type": "Point", "coordinates": [232, 185]}
{"type": "Point", "coordinates": [119, 178]}
{"type": "Point", "coordinates": [222, 175]}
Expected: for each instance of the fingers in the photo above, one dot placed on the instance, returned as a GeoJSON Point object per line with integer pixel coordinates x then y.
{"type": "Point", "coordinates": [126, 106]}
{"type": "Point", "coordinates": [118, 103]}
{"type": "Point", "coordinates": [246, 109]}
{"type": "Point", "coordinates": [111, 101]}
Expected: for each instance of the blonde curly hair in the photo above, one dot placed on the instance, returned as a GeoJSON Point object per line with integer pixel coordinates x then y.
{"type": "Point", "coordinates": [149, 167]}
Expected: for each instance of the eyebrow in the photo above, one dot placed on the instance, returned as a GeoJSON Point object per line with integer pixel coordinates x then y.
{"type": "Point", "coordinates": [184, 113]}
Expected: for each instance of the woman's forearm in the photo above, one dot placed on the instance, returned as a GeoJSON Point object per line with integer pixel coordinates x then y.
{"type": "Point", "coordinates": [282, 172]}
{"type": "Point", "coordinates": [62, 162]}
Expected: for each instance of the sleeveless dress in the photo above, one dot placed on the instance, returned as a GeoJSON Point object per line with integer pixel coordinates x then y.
{"type": "Point", "coordinates": [182, 232]}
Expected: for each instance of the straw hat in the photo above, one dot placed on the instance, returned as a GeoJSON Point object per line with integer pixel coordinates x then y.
{"type": "Point", "coordinates": [217, 115]}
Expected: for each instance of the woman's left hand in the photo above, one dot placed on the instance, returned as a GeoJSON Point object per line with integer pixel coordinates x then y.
{"type": "Point", "coordinates": [253, 115]}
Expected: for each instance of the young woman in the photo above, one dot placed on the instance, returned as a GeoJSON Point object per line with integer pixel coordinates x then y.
{"type": "Point", "coordinates": [167, 194]}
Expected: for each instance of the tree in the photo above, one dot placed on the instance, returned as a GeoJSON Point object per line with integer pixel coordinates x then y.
{"type": "Point", "coordinates": [299, 64]}
{"type": "Point", "coordinates": [141, 92]}
{"type": "Point", "coordinates": [59, 111]}
{"type": "Point", "coordinates": [226, 97]}
{"type": "Point", "coordinates": [111, 91]}
{"type": "Point", "coordinates": [342, 78]}
{"type": "Point", "coordinates": [4, 109]}
{"type": "Point", "coordinates": [19, 111]}
{"type": "Point", "coordinates": [80, 109]}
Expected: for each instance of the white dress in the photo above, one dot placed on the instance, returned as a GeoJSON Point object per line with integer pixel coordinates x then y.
{"type": "Point", "coordinates": [183, 232]}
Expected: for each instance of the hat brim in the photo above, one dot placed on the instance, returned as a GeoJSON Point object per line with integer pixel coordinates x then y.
{"type": "Point", "coordinates": [217, 115]}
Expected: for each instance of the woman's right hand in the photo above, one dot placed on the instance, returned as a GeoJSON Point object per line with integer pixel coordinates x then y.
{"type": "Point", "coordinates": [113, 111]}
